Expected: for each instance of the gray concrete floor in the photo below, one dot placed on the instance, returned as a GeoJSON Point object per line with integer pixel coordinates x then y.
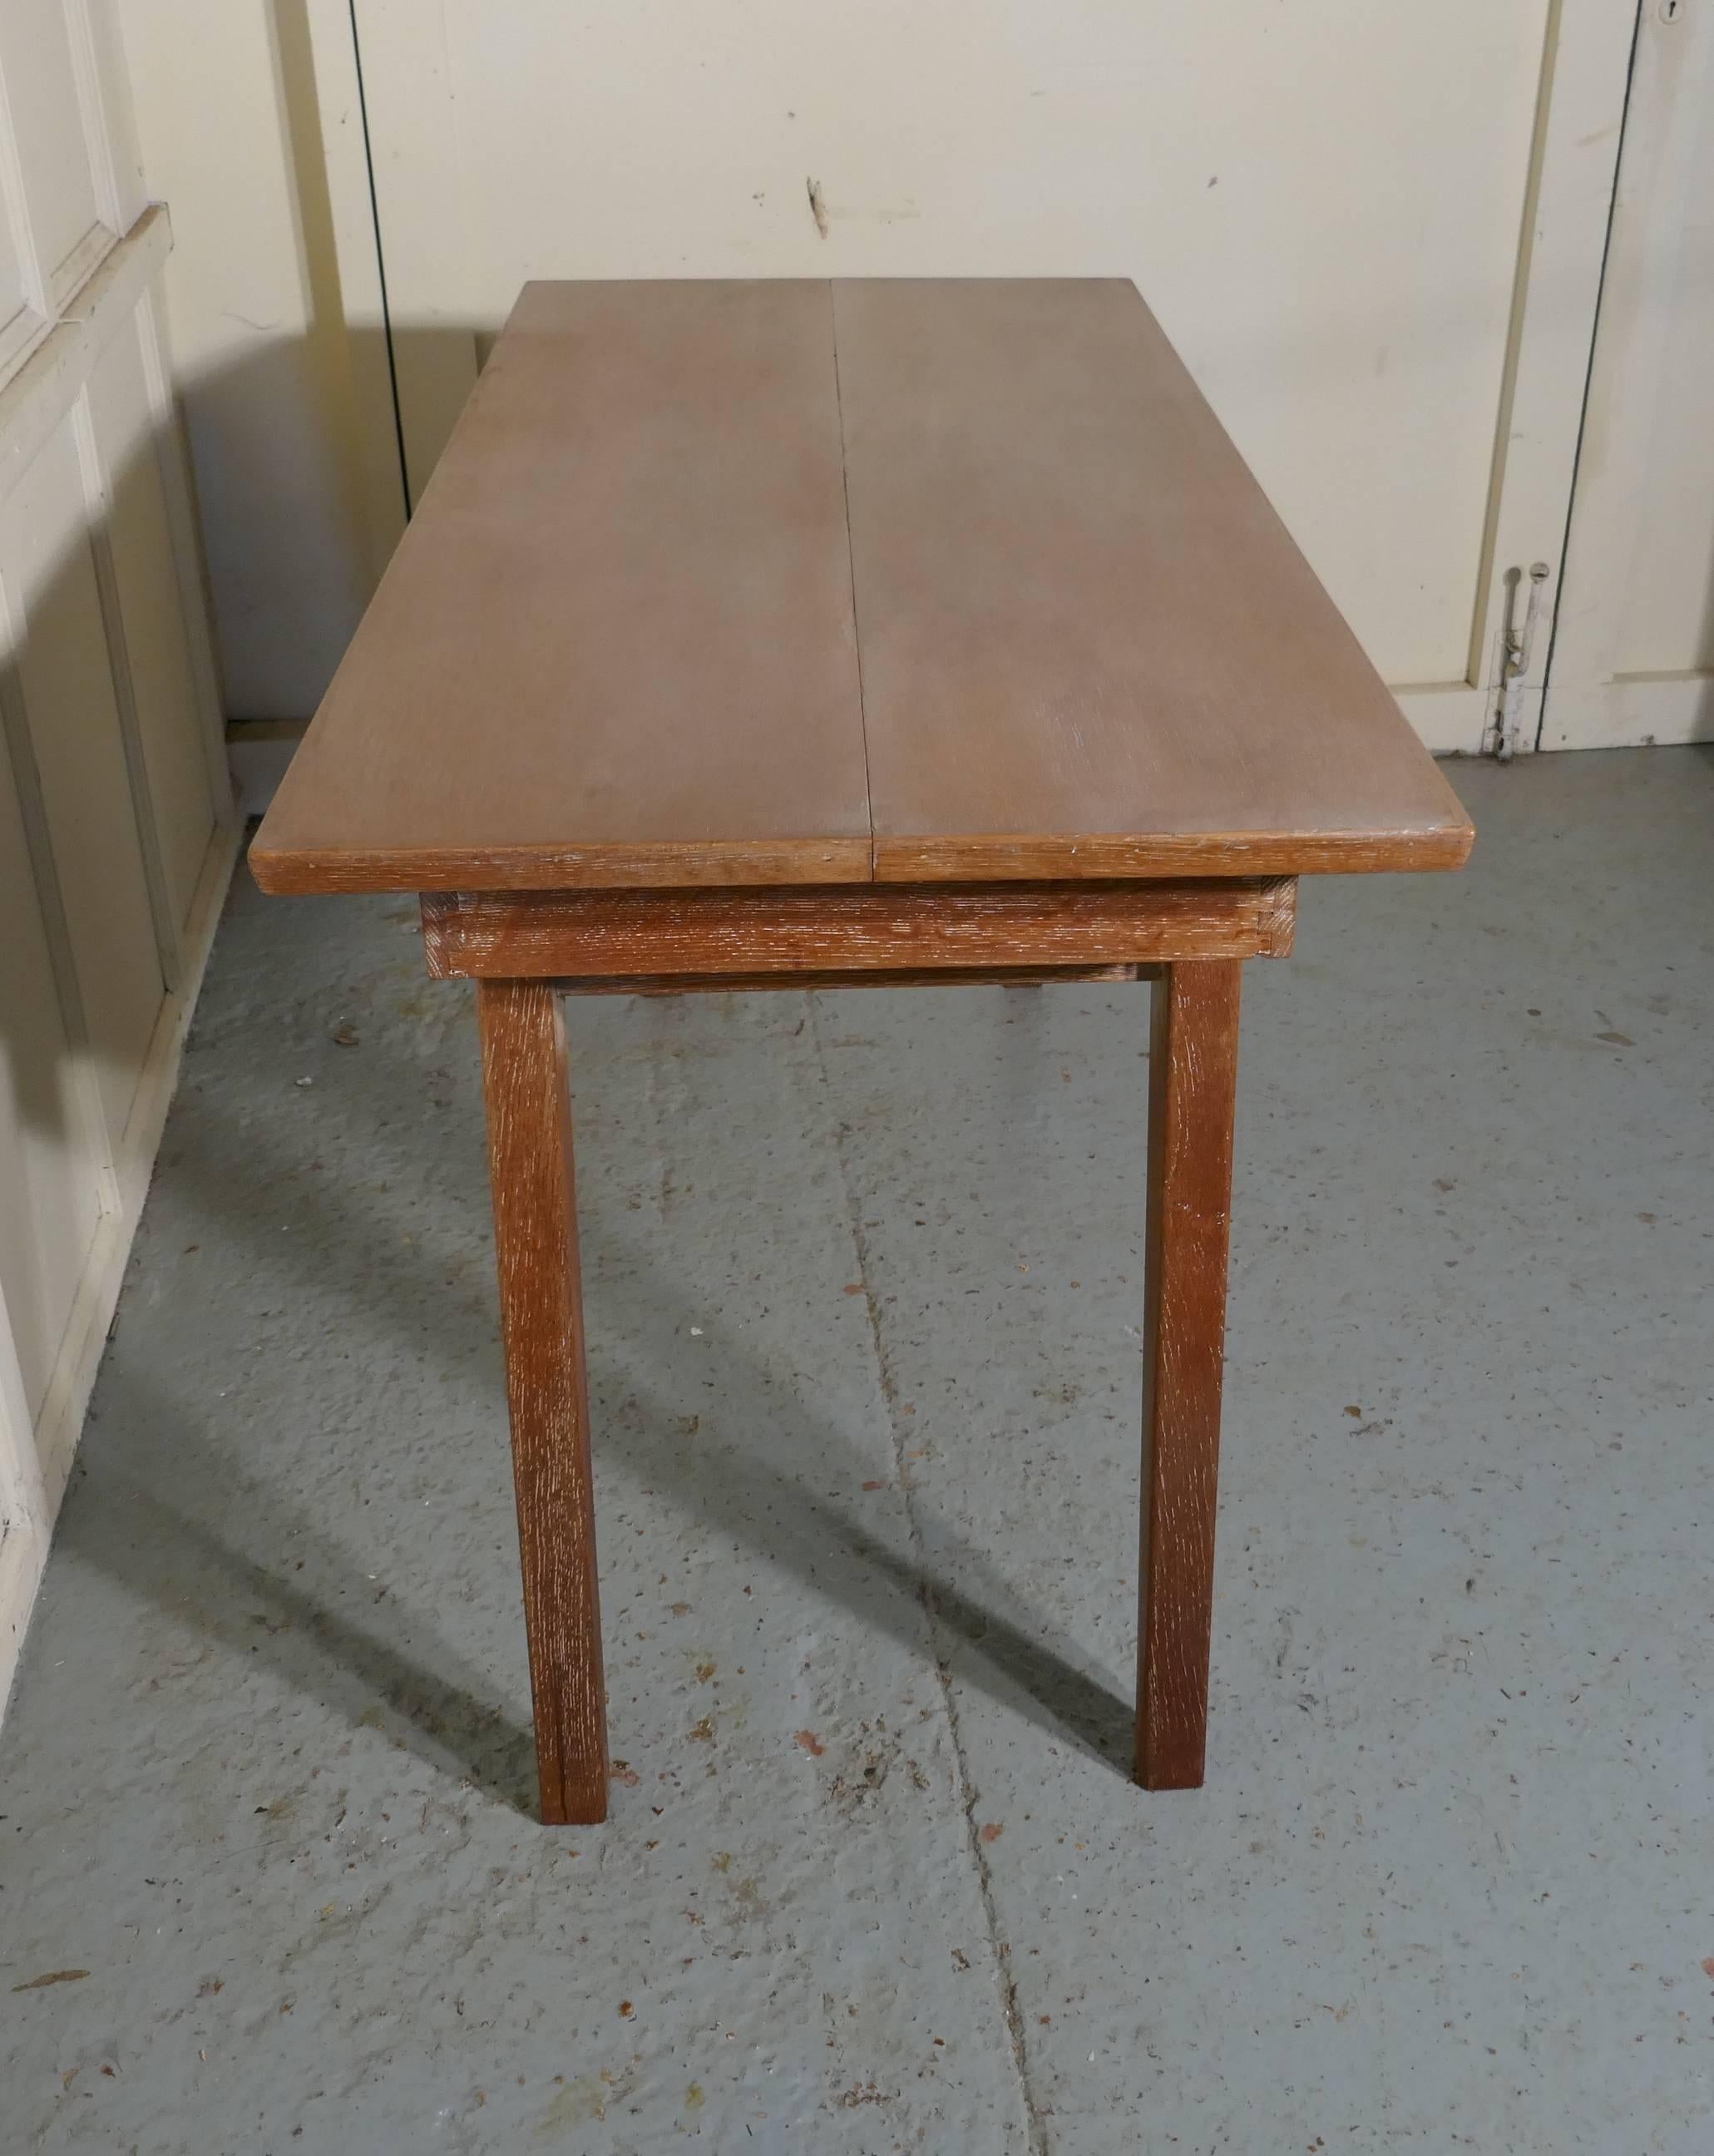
{"type": "Point", "coordinates": [863, 1276]}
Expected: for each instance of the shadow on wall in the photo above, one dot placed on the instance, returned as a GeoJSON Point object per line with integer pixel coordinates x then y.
{"type": "Point", "coordinates": [282, 381]}
{"type": "Point", "coordinates": [262, 359]}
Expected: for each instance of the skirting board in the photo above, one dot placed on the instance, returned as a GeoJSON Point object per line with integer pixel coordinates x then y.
{"type": "Point", "coordinates": [23, 1553]}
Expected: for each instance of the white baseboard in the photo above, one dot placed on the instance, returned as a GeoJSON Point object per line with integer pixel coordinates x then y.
{"type": "Point", "coordinates": [23, 1553]}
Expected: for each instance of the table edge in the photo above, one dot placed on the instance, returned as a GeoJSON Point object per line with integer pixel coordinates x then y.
{"type": "Point", "coordinates": [298, 871]}
{"type": "Point", "coordinates": [901, 858]}
{"type": "Point", "coordinates": [292, 871]}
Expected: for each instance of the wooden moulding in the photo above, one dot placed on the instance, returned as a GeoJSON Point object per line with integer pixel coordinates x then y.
{"type": "Point", "coordinates": [715, 938]}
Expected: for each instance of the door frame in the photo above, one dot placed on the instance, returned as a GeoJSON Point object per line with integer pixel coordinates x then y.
{"type": "Point", "coordinates": [407, 389]}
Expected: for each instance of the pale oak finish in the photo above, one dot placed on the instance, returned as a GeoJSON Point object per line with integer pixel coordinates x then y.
{"type": "Point", "coordinates": [567, 934]}
{"type": "Point", "coordinates": [614, 646]}
{"type": "Point", "coordinates": [1090, 647]}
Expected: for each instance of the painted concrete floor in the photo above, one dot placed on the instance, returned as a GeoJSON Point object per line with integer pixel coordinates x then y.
{"type": "Point", "coordinates": [864, 1273]}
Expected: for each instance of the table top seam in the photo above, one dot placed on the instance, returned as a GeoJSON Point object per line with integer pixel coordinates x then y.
{"type": "Point", "coordinates": [833, 310]}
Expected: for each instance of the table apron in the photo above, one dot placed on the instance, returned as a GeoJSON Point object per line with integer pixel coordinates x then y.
{"type": "Point", "coordinates": [644, 940]}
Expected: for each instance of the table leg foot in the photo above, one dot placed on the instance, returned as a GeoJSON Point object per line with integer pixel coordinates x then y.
{"type": "Point", "coordinates": [541, 1322]}
{"type": "Point", "coordinates": [1193, 1080]}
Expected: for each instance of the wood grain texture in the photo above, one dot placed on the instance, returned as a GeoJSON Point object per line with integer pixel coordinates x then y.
{"type": "Point", "coordinates": [1090, 648]}
{"type": "Point", "coordinates": [615, 645]}
{"type": "Point", "coordinates": [1193, 1091]}
{"type": "Point", "coordinates": [542, 1323]}
{"type": "Point", "coordinates": [567, 934]}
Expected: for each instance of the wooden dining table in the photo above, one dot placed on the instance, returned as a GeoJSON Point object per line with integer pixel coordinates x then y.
{"type": "Point", "coordinates": [799, 635]}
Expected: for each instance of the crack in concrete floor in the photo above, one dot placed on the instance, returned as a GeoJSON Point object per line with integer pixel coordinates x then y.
{"type": "Point", "coordinates": [968, 1794]}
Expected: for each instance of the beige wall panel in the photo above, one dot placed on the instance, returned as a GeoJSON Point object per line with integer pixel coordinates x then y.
{"type": "Point", "coordinates": [163, 684]}
{"type": "Point", "coordinates": [130, 194]}
{"type": "Point", "coordinates": [1633, 657]}
{"type": "Point", "coordinates": [1667, 622]}
{"type": "Point", "coordinates": [73, 722]}
{"type": "Point", "coordinates": [17, 318]}
{"type": "Point", "coordinates": [49, 1184]}
{"type": "Point", "coordinates": [40, 73]}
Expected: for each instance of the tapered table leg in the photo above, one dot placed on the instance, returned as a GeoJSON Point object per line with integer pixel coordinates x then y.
{"type": "Point", "coordinates": [541, 1321]}
{"type": "Point", "coordinates": [1192, 1082]}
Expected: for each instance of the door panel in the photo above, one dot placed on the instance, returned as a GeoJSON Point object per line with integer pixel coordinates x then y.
{"type": "Point", "coordinates": [49, 1173]}
{"type": "Point", "coordinates": [40, 73]}
{"type": "Point", "coordinates": [160, 667]}
{"type": "Point", "coordinates": [1668, 617]}
{"type": "Point", "coordinates": [1633, 649]}
{"type": "Point", "coordinates": [64, 683]}
{"type": "Point", "coordinates": [18, 318]}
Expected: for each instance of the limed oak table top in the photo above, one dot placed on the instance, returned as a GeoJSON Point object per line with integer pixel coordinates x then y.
{"type": "Point", "coordinates": [800, 583]}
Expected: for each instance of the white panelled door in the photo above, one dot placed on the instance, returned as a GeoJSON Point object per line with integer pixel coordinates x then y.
{"type": "Point", "coordinates": [1375, 233]}
{"type": "Point", "coordinates": [1633, 653]}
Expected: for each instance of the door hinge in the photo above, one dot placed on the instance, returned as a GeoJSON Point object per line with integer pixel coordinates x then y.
{"type": "Point", "coordinates": [1516, 647]}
